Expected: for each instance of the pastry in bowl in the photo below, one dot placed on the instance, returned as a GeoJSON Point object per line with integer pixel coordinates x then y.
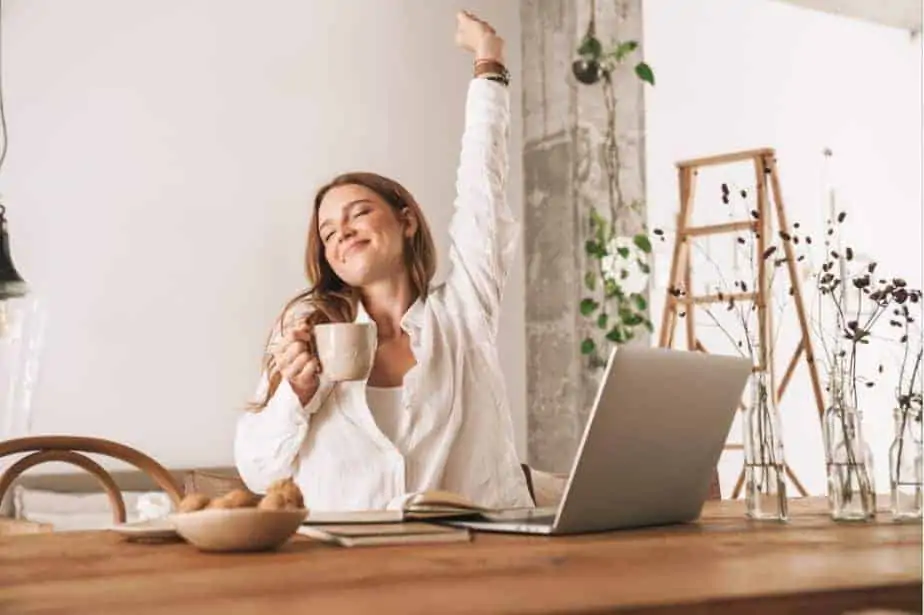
{"type": "Point", "coordinates": [240, 520]}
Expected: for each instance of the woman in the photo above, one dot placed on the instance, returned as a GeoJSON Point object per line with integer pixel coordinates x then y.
{"type": "Point", "coordinates": [433, 413]}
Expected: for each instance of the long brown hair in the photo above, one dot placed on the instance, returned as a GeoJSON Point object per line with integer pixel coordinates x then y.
{"type": "Point", "coordinates": [330, 299]}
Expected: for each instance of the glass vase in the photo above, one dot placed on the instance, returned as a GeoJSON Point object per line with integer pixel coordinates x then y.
{"type": "Point", "coordinates": [851, 495]}
{"type": "Point", "coordinates": [765, 479]}
{"type": "Point", "coordinates": [906, 464]}
{"type": "Point", "coordinates": [22, 333]}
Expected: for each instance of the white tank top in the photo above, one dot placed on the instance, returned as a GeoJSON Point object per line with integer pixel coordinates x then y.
{"type": "Point", "coordinates": [387, 406]}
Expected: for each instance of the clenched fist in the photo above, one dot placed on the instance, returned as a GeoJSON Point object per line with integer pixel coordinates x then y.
{"type": "Point", "coordinates": [476, 35]}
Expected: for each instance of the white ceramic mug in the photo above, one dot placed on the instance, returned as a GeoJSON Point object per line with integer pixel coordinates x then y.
{"type": "Point", "coordinates": [346, 350]}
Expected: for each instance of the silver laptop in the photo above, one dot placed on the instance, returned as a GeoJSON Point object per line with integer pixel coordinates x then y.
{"type": "Point", "coordinates": [653, 439]}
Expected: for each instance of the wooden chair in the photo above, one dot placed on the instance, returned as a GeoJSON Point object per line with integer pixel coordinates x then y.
{"type": "Point", "coordinates": [69, 449]}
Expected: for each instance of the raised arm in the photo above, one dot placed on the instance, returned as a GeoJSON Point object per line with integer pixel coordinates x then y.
{"type": "Point", "coordinates": [483, 232]}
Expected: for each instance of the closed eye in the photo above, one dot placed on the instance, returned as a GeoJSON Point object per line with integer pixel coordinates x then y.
{"type": "Point", "coordinates": [354, 213]}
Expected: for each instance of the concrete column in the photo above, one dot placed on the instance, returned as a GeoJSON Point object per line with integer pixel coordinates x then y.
{"type": "Point", "coordinates": [564, 129]}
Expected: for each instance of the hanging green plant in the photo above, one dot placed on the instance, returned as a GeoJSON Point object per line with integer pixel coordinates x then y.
{"type": "Point", "coordinates": [617, 267]}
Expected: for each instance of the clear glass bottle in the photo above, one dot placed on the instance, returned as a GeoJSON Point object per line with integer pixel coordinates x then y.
{"type": "Point", "coordinates": [765, 478]}
{"type": "Point", "coordinates": [22, 329]}
{"type": "Point", "coordinates": [851, 495]}
{"type": "Point", "coordinates": [906, 465]}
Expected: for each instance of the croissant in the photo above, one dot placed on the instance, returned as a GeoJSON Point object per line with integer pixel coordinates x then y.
{"type": "Point", "coordinates": [192, 502]}
{"type": "Point", "coordinates": [291, 494]}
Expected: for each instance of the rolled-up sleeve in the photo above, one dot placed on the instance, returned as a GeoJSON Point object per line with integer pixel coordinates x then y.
{"type": "Point", "coordinates": [483, 232]}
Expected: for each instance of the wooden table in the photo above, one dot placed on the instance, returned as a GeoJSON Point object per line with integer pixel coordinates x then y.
{"type": "Point", "coordinates": [721, 564]}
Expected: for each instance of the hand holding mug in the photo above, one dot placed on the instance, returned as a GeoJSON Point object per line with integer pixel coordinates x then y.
{"type": "Point", "coordinates": [296, 364]}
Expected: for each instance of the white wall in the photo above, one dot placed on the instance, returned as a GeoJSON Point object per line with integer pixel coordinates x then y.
{"type": "Point", "coordinates": [739, 75]}
{"type": "Point", "coordinates": [162, 161]}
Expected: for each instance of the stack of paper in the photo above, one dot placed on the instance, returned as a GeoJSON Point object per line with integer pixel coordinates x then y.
{"type": "Point", "coordinates": [371, 534]}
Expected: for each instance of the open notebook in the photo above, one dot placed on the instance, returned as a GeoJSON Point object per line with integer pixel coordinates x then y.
{"type": "Point", "coordinates": [411, 507]}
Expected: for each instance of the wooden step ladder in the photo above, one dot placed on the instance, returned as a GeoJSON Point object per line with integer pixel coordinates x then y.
{"type": "Point", "coordinates": [681, 276]}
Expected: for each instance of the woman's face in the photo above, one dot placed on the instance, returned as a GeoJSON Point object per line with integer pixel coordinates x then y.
{"type": "Point", "coordinates": [362, 235]}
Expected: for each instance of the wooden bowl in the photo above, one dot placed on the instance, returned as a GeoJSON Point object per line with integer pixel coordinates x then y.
{"type": "Point", "coordinates": [237, 529]}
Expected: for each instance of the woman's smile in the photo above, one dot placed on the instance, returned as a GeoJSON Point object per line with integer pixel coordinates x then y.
{"type": "Point", "coordinates": [357, 245]}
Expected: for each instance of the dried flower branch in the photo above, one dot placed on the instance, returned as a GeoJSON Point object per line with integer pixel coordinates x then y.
{"type": "Point", "coordinates": [858, 301]}
{"type": "Point", "coordinates": [745, 341]}
{"type": "Point", "coordinates": [855, 300]}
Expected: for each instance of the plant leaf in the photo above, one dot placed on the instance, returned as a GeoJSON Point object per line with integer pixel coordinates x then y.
{"type": "Point", "coordinates": [632, 320]}
{"type": "Point", "coordinates": [602, 320]}
{"type": "Point", "coordinates": [642, 242]}
{"type": "Point", "coordinates": [644, 72]}
{"type": "Point", "coordinates": [640, 302]}
{"type": "Point", "coordinates": [588, 346]}
{"type": "Point", "coordinates": [594, 249]}
{"type": "Point", "coordinates": [596, 218]}
{"type": "Point", "coordinates": [588, 306]}
{"type": "Point", "coordinates": [623, 252]}
{"type": "Point", "coordinates": [590, 280]}
{"type": "Point", "coordinates": [590, 48]}
{"type": "Point", "coordinates": [624, 49]}
{"type": "Point", "coordinates": [615, 335]}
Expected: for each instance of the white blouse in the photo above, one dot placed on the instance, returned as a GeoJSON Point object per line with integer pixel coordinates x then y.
{"type": "Point", "coordinates": [459, 430]}
{"type": "Point", "coordinates": [387, 407]}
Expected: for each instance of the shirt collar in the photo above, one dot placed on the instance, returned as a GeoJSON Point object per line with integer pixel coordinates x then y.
{"type": "Point", "coordinates": [412, 319]}
{"type": "Point", "coordinates": [362, 316]}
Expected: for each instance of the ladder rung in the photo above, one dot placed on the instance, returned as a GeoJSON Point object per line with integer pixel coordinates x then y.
{"type": "Point", "coordinates": [717, 299]}
{"type": "Point", "coordinates": [713, 229]}
{"type": "Point", "coordinates": [723, 158]}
